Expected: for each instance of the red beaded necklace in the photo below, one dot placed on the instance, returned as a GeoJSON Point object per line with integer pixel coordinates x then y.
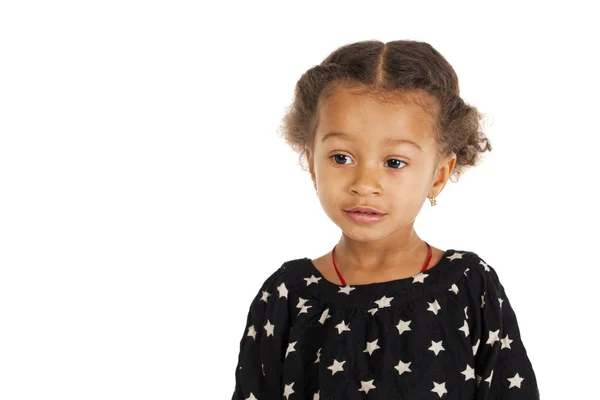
{"type": "Point", "coordinates": [344, 282]}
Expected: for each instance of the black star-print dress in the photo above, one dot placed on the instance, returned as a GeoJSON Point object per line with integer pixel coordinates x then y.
{"type": "Point", "coordinates": [449, 332]}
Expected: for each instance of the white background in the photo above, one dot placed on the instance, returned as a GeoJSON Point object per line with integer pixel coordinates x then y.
{"type": "Point", "coordinates": [145, 195]}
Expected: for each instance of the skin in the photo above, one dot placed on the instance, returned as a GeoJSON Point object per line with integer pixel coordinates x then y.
{"type": "Point", "coordinates": [361, 170]}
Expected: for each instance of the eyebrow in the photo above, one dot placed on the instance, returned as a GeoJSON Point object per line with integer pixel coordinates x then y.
{"type": "Point", "coordinates": [389, 141]}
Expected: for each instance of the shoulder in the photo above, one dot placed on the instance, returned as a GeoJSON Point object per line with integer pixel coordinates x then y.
{"type": "Point", "coordinates": [481, 274]}
{"type": "Point", "coordinates": [281, 278]}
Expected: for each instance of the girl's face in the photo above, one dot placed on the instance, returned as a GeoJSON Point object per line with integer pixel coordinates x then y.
{"type": "Point", "coordinates": [375, 154]}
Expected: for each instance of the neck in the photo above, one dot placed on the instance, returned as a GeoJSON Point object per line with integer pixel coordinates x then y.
{"type": "Point", "coordinates": [354, 256]}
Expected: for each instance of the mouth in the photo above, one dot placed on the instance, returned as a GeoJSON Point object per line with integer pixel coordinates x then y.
{"type": "Point", "coordinates": [362, 217]}
{"type": "Point", "coordinates": [365, 210]}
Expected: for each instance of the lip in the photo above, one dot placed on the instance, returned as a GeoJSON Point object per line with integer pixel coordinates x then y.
{"type": "Point", "coordinates": [365, 209]}
{"type": "Point", "coordinates": [364, 218]}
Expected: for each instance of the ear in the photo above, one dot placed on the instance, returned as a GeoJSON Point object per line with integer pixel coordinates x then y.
{"type": "Point", "coordinates": [442, 173]}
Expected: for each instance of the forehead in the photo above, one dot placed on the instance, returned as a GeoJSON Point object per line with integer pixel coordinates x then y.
{"type": "Point", "coordinates": [364, 115]}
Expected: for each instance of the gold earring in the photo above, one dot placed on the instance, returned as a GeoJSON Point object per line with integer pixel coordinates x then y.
{"type": "Point", "coordinates": [432, 200]}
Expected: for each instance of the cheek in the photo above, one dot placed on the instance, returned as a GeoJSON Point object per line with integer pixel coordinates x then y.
{"type": "Point", "coordinates": [407, 195]}
{"type": "Point", "coordinates": [416, 183]}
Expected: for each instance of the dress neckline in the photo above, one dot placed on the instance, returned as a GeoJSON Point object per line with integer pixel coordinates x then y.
{"type": "Point", "coordinates": [306, 278]}
{"type": "Point", "coordinates": [392, 282]}
{"type": "Point", "coordinates": [425, 267]}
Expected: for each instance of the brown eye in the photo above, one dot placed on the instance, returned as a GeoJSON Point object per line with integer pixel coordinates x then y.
{"type": "Point", "coordinates": [340, 156]}
{"type": "Point", "coordinates": [396, 163]}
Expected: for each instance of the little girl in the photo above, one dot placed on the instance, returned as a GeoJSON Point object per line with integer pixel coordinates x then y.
{"type": "Point", "coordinates": [384, 315]}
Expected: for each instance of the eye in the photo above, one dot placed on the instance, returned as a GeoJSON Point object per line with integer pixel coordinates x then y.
{"type": "Point", "coordinates": [338, 155]}
{"type": "Point", "coordinates": [395, 163]}
{"type": "Point", "coordinates": [398, 161]}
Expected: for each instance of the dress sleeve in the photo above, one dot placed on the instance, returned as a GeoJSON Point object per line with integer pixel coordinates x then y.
{"type": "Point", "coordinates": [264, 342]}
{"type": "Point", "coordinates": [503, 369]}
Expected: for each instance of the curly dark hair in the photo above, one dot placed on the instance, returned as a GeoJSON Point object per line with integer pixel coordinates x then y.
{"type": "Point", "coordinates": [388, 70]}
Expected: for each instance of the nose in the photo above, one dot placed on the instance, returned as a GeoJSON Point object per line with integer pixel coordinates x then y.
{"type": "Point", "coordinates": [366, 182]}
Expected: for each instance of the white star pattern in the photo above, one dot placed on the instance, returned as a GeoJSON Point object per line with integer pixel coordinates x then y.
{"type": "Point", "coordinates": [384, 302]}
{"type": "Point", "coordinates": [312, 279]}
{"type": "Point", "coordinates": [454, 288]}
{"type": "Point", "coordinates": [252, 332]}
{"type": "Point", "coordinates": [506, 342]}
{"type": "Point", "coordinates": [324, 316]}
{"type": "Point", "coordinates": [439, 388]}
{"type": "Point", "coordinates": [434, 307]}
{"type": "Point", "coordinates": [371, 347]}
{"type": "Point", "coordinates": [337, 366]}
{"type": "Point", "coordinates": [493, 337]}
{"type": "Point", "coordinates": [341, 327]}
{"type": "Point", "coordinates": [485, 266]}
{"type": "Point", "coordinates": [290, 348]}
{"type": "Point", "coordinates": [288, 390]}
{"type": "Point", "coordinates": [436, 347]}
{"type": "Point", "coordinates": [403, 326]}
{"type": "Point", "coordinates": [265, 296]}
{"type": "Point", "coordinates": [301, 302]}
{"type": "Point", "coordinates": [515, 381]}
{"type": "Point", "coordinates": [283, 292]}
{"type": "Point", "coordinates": [489, 378]}
{"type": "Point", "coordinates": [304, 310]}
{"type": "Point", "coordinates": [402, 367]}
{"type": "Point", "coordinates": [269, 328]}
{"type": "Point", "coordinates": [420, 278]}
{"type": "Point", "coordinates": [465, 328]}
{"type": "Point", "coordinates": [365, 386]}
{"type": "Point", "coordinates": [346, 289]}
{"type": "Point", "coordinates": [361, 316]}
{"type": "Point", "coordinates": [469, 373]}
